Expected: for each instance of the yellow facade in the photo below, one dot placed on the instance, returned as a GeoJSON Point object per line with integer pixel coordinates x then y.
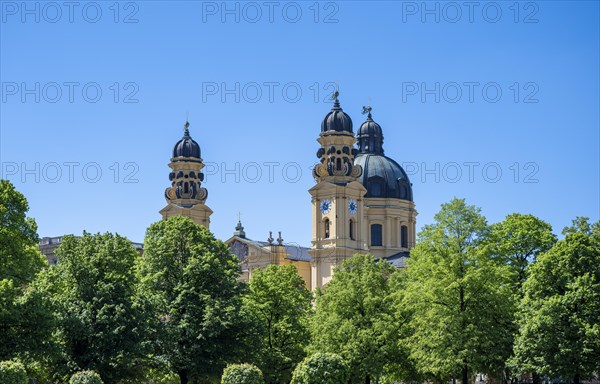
{"type": "Point", "coordinates": [255, 255]}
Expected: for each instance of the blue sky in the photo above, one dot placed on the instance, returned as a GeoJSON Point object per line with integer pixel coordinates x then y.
{"type": "Point", "coordinates": [498, 103]}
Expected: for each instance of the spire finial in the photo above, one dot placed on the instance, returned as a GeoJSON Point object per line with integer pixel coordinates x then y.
{"type": "Point", "coordinates": [186, 125]}
{"type": "Point", "coordinates": [239, 229]}
{"type": "Point", "coordinates": [335, 94]}
{"type": "Point", "coordinates": [367, 110]}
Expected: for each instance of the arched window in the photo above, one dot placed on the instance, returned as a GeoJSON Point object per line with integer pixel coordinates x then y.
{"type": "Point", "coordinates": [338, 164]}
{"type": "Point", "coordinates": [351, 229]}
{"type": "Point", "coordinates": [376, 235]}
{"type": "Point", "coordinates": [404, 236]}
{"type": "Point", "coordinates": [326, 225]}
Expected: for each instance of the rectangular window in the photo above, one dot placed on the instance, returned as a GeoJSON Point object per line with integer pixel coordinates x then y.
{"type": "Point", "coordinates": [404, 236]}
{"type": "Point", "coordinates": [376, 235]}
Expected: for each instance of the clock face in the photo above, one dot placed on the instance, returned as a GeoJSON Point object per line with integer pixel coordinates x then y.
{"type": "Point", "coordinates": [352, 207]}
{"type": "Point", "coordinates": [325, 206]}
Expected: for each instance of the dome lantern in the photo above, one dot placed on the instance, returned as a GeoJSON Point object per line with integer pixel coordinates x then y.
{"type": "Point", "coordinates": [336, 120]}
{"type": "Point", "coordinates": [370, 135]}
{"type": "Point", "coordinates": [186, 147]}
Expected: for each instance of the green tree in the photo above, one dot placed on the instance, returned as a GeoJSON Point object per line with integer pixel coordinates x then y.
{"type": "Point", "coordinates": [101, 326]}
{"type": "Point", "coordinates": [12, 372]}
{"type": "Point", "coordinates": [559, 315]}
{"type": "Point", "coordinates": [191, 280]}
{"type": "Point", "coordinates": [278, 299]}
{"type": "Point", "coordinates": [322, 368]}
{"type": "Point", "coordinates": [355, 317]}
{"type": "Point", "coordinates": [242, 374]}
{"type": "Point", "coordinates": [518, 240]}
{"type": "Point", "coordinates": [458, 298]}
{"type": "Point", "coordinates": [20, 258]}
{"type": "Point", "coordinates": [582, 224]}
{"type": "Point", "coordinates": [85, 377]}
{"type": "Point", "coordinates": [26, 320]}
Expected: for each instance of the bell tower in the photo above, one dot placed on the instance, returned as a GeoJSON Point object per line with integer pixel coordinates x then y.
{"type": "Point", "coordinates": [337, 197]}
{"type": "Point", "coordinates": [186, 196]}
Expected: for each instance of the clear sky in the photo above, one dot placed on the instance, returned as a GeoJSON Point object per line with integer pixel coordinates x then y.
{"type": "Point", "coordinates": [496, 102]}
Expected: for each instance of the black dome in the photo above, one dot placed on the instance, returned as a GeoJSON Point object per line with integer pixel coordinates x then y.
{"type": "Point", "coordinates": [186, 147]}
{"type": "Point", "coordinates": [337, 120]}
{"type": "Point", "coordinates": [383, 177]}
{"type": "Point", "coordinates": [370, 137]}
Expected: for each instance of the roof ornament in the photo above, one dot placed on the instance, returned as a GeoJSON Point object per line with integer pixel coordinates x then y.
{"type": "Point", "coordinates": [279, 239]}
{"type": "Point", "coordinates": [334, 96]}
{"type": "Point", "coordinates": [270, 239]}
{"type": "Point", "coordinates": [186, 131]}
{"type": "Point", "coordinates": [366, 110]}
{"type": "Point", "coordinates": [239, 225]}
{"type": "Point", "coordinates": [239, 228]}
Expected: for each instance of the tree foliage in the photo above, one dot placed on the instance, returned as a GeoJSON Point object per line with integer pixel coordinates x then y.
{"type": "Point", "coordinates": [518, 240]}
{"type": "Point", "coordinates": [12, 372]}
{"type": "Point", "coordinates": [355, 317]}
{"type": "Point", "coordinates": [85, 377]}
{"type": "Point", "coordinates": [20, 258]}
{"type": "Point", "coordinates": [26, 321]}
{"type": "Point", "coordinates": [191, 281]}
{"type": "Point", "coordinates": [242, 374]}
{"type": "Point", "coordinates": [459, 299]}
{"type": "Point", "coordinates": [581, 224]}
{"type": "Point", "coordinates": [322, 368]}
{"type": "Point", "coordinates": [559, 315]}
{"type": "Point", "coordinates": [279, 301]}
{"type": "Point", "coordinates": [101, 327]}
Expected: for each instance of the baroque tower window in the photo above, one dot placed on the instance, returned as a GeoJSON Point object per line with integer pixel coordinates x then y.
{"type": "Point", "coordinates": [404, 236]}
{"type": "Point", "coordinates": [376, 235]}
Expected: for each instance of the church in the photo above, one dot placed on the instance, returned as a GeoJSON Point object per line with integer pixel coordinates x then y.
{"type": "Point", "coordinates": [362, 202]}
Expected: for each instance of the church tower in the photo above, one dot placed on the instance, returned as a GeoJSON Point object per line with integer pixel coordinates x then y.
{"type": "Point", "coordinates": [389, 218]}
{"type": "Point", "coordinates": [337, 198]}
{"type": "Point", "coordinates": [186, 196]}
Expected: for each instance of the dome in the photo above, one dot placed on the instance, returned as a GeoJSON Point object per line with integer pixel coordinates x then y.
{"type": "Point", "coordinates": [186, 147]}
{"type": "Point", "coordinates": [383, 177]}
{"type": "Point", "coordinates": [370, 136]}
{"type": "Point", "coordinates": [337, 120]}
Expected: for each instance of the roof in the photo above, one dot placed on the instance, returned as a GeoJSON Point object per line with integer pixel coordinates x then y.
{"type": "Point", "coordinates": [383, 177]}
{"type": "Point", "coordinates": [294, 251]}
{"type": "Point", "coordinates": [186, 147]}
{"type": "Point", "coordinates": [297, 253]}
{"type": "Point", "coordinates": [337, 120]}
{"type": "Point", "coordinates": [398, 260]}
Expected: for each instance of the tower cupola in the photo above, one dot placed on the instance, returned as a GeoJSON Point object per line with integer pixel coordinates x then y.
{"type": "Point", "coordinates": [370, 135]}
{"type": "Point", "coordinates": [336, 120]}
